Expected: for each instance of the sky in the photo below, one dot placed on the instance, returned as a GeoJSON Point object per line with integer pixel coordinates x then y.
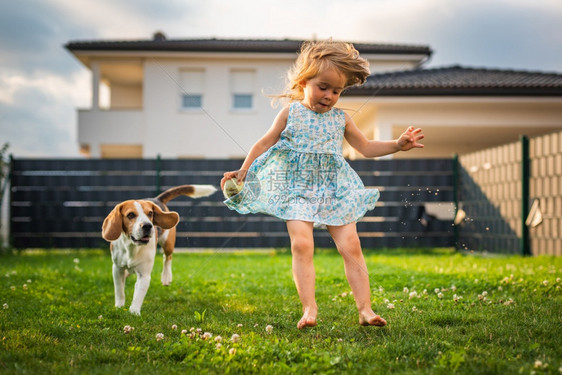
{"type": "Point", "coordinates": [42, 85]}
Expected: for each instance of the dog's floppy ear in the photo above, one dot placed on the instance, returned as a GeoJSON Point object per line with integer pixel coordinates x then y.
{"type": "Point", "coordinates": [113, 224]}
{"type": "Point", "coordinates": [165, 220]}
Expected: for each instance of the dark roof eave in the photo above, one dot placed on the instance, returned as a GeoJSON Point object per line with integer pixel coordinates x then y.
{"type": "Point", "coordinates": [442, 91]}
{"type": "Point", "coordinates": [261, 46]}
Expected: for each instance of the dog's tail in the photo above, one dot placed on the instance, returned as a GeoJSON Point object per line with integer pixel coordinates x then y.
{"type": "Point", "coordinates": [193, 191]}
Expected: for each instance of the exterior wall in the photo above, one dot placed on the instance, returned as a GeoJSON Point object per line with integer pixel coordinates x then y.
{"type": "Point", "coordinates": [216, 131]}
{"type": "Point", "coordinates": [456, 125]}
{"type": "Point", "coordinates": [149, 112]}
{"type": "Point", "coordinates": [126, 96]}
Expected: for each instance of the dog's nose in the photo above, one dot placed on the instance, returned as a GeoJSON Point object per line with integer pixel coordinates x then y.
{"type": "Point", "coordinates": [146, 227]}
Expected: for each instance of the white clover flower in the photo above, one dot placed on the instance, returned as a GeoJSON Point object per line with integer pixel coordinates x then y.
{"type": "Point", "coordinates": [424, 292]}
{"type": "Point", "coordinates": [500, 288]}
{"type": "Point", "coordinates": [240, 325]}
{"type": "Point", "coordinates": [76, 260]}
{"type": "Point", "coordinates": [218, 346]}
{"type": "Point", "coordinates": [100, 317]}
{"type": "Point", "coordinates": [24, 286]}
{"type": "Point", "coordinates": [207, 335]}
{"type": "Point", "coordinates": [390, 306]}
{"type": "Point", "coordinates": [413, 294]}
{"type": "Point", "coordinates": [386, 300]}
{"type": "Point", "coordinates": [436, 290]}
{"type": "Point", "coordinates": [174, 327]}
{"type": "Point", "coordinates": [232, 351]}
{"type": "Point", "coordinates": [558, 279]}
{"type": "Point", "coordinates": [218, 339]}
{"type": "Point", "coordinates": [484, 293]}
{"type": "Point", "coordinates": [414, 309]}
{"type": "Point", "coordinates": [344, 294]}
{"type": "Point", "coordinates": [406, 290]}
{"type": "Point", "coordinates": [453, 288]}
{"type": "Point", "coordinates": [545, 283]}
{"type": "Point", "coordinates": [456, 298]}
{"type": "Point", "coordinates": [198, 330]}
{"type": "Point", "coordinates": [269, 329]}
{"type": "Point", "coordinates": [235, 337]}
{"type": "Point", "coordinates": [538, 364]}
{"type": "Point", "coordinates": [476, 281]}
{"type": "Point", "coordinates": [13, 288]}
{"type": "Point", "coordinates": [159, 336]}
{"type": "Point", "coordinates": [128, 329]}
{"type": "Point", "coordinates": [184, 332]}
{"type": "Point", "coordinates": [440, 295]}
{"type": "Point", "coordinates": [5, 306]}
{"type": "Point", "coordinates": [340, 340]}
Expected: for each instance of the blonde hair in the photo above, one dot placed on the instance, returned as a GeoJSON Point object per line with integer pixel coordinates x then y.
{"type": "Point", "coordinates": [317, 56]}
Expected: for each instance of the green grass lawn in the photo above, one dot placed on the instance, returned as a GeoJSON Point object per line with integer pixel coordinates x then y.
{"type": "Point", "coordinates": [58, 315]}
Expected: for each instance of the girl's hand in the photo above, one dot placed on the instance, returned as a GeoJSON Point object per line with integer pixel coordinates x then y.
{"type": "Point", "coordinates": [409, 139]}
{"type": "Point", "coordinates": [239, 174]}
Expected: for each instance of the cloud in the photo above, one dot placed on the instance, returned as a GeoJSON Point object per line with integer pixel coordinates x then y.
{"type": "Point", "coordinates": [505, 33]}
{"type": "Point", "coordinates": [38, 114]}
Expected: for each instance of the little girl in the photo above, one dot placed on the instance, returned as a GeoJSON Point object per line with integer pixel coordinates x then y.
{"type": "Point", "coordinates": [297, 173]}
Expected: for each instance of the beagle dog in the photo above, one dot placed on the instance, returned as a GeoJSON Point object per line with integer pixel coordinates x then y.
{"type": "Point", "coordinates": [135, 228]}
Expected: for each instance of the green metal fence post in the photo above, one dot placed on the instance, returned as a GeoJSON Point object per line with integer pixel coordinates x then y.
{"type": "Point", "coordinates": [10, 200]}
{"type": "Point", "coordinates": [456, 198]}
{"type": "Point", "coordinates": [158, 177]}
{"type": "Point", "coordinates": [525, 175]}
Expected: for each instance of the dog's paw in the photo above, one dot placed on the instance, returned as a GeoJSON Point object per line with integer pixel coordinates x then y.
{"type": "Point", "coordinates": [166, 279]}
{"type": "Point", "coordinates": [134, 311]}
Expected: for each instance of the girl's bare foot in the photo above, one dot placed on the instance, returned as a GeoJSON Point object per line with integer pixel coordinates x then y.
{"type": "Point", "coordinates": [371, 319]}
{"type": "Point", "coordinates": [308, 319]}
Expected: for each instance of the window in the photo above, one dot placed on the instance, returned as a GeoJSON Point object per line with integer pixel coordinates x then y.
{"type": "Point", "coordinates": [242, 83]}
{"type": "Point", "coordinates": [191, 101]}
{"type": "Point", "coordinates": [192, 88]}
{"type": "Point", "coordinates": [242, 100]}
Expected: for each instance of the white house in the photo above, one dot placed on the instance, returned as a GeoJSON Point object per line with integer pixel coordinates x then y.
{"type": "Point", "coordinates": [209, 98]}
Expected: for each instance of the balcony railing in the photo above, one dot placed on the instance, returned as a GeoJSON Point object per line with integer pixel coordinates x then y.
{"type": "Point", "coordinates": [107, 126]}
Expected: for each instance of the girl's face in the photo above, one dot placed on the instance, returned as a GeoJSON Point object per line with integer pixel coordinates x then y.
{"type": "Point", "coordinates": [322, 92]}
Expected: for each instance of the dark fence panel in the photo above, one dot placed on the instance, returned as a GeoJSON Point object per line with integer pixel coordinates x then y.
{"type": "Point", "coordinates": [62, 203]}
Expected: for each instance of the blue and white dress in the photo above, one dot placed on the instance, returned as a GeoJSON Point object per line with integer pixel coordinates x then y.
{"type": "Point", "coordinates": [304, 176]}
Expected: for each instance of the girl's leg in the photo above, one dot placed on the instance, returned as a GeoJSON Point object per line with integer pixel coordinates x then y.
{"type": "Point", "coordinates": [349, 246]}
{"type": "Point", "coordinates": [302, 248]}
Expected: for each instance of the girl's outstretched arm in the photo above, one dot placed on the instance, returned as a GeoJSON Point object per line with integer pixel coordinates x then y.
{"type": "Point", "coordinates": [262, 145]}
{"type": "Point", "coordinates": [371, 149]}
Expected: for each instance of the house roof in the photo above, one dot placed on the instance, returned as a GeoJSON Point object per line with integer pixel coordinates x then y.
{"type": "Point", "coordinates": [160, 43]}
{"type": "Point", "coordinates": [458, 80]}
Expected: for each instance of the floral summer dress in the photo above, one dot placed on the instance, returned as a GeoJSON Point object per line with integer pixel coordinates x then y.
{"type": "Point", "coordinates": [304, 175]}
